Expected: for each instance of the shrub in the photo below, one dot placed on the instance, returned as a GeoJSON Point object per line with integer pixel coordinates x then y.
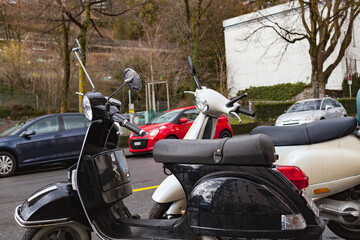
{"type": "Point", "coordinates": [278, 92]}
{"type": "Point", "coordinates": [269, 111]}
{"type": "Point", "coordinates": [355, 86]}
{"type": "Point", "coordinates": [246, 128]}
{"type": "Point", "coordinates": [4, 111]}
{"type": "Point", "coordinates": [349, 104]}
{"type": "Point", "coordinates": [19, 111]}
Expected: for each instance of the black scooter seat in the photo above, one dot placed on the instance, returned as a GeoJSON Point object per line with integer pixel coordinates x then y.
{"type": "Point", "coordinates": [309, 133]}
{"type": "Point", "coordinates": [256, 150]}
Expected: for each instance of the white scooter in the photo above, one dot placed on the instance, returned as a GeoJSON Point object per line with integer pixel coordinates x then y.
{"type": "Point", "coordinates": [169, 197]}
{"type": "Point", "coordinates": [328, 151]}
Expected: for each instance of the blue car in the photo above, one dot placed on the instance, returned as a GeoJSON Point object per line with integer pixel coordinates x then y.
{"type": "Point", "coordinates": [48, 139]}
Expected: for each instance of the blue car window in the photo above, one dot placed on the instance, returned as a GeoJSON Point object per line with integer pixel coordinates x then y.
{"type": "Point", "coordinates": [46, 125]}
{"type": "Point", "coordinates": [74, 122]}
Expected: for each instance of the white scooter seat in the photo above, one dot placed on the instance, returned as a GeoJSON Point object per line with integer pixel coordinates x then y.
{"type": "Point", "coordinates": [256, 150]}
{"type": "Point", "coordinates": [309, 133]}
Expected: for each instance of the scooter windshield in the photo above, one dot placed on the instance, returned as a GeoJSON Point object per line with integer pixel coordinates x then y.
{"type": "Point", "coordinates": [112, 168]}
{"type": "Point", "coordinates": [102, 173]}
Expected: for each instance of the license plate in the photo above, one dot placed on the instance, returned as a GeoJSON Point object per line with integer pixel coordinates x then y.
{"type": "Point", "coordinates": [311, 204]}
{"type": "Point", "coordinates": [137, 143]}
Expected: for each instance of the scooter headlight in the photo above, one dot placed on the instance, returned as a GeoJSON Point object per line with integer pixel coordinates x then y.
{"type": "Point", "coordinates": [86, 105]}
{"type": "Point", "coordinates": [201, 104]}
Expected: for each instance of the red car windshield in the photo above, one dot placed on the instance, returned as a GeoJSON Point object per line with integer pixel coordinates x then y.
{"type": "Point", "coordinates": [165, 117]}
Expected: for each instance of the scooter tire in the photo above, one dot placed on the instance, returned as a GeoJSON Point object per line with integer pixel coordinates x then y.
{"type": "Point", "coordinates": [158, 210]}
{"type": "Point", "coordinates": [343, 231]}
{"type": "Point", "coordinates": [71, 231]}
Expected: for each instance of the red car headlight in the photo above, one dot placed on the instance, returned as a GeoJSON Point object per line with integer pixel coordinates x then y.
{"type": "Point", "coordinates": [154, 132]}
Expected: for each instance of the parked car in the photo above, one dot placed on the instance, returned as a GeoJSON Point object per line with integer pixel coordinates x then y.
{"type": "Point", "coordinates": [173, 124]}
{"type": "Point", "coordinates": [310, 110]}
{"type": "Point", "coordinates": [47, 139]}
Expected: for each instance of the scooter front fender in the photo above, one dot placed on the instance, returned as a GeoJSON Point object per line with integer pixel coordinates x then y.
{"type": "Point", "coordinates": [54, 204]}
{"type": "Point", "coordinates": [170, 190]}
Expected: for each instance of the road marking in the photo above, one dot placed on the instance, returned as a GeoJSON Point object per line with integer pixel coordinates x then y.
{"type": "Point", "coordinates": [146, 188]}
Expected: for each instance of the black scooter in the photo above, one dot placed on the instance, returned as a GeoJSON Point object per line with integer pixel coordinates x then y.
{"type": "Point", "coordinates": [233, 189]}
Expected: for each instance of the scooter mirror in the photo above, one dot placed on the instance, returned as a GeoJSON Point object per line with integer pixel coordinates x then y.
{"type": "Point", "coordinates": [193, 72]}
{"type": "Point", "coordinates": [132, 79]}
{"type": "Point", "coordinates": [191, 66]}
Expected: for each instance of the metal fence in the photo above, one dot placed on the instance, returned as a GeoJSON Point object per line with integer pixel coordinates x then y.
{"type": "Point", "coordinates": [139, 119]}
{"type": "Point", "coordinates": [37, 102]}
{"type": "Point", "coordinates": [8, 100]}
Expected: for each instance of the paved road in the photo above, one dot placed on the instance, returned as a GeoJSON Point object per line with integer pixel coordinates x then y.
{"type": "Point", "coordinates": [14, 190]}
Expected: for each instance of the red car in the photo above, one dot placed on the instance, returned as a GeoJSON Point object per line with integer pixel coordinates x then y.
{"type": "Point", "coordinates": [172, 124]}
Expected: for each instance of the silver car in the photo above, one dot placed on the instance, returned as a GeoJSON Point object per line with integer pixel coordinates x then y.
{"type": "Point", "coordinates": [310, 110]}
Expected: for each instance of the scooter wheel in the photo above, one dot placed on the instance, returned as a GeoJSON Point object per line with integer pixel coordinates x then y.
{"type": "Point", "coordinates": [344, 231]}
{"type": "Point", "coordinates": [158, 210]}
{"type": "Point", "coordinates": [71, 231]}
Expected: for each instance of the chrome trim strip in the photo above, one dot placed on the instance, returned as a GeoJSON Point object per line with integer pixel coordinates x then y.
{"type": "Point", "coordinates": [42, 192]}
{"type": "Point", "coordinates": [73, 179]}
{"type": "Point", "coordinates": [324, 208]}
{"type": "Point", "coordinates": [42, 223]}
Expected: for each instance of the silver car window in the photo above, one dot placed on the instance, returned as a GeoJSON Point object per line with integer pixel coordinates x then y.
{"type": "Point", "coordinates": [335, 103]}
{"type": "Point", "coordinates": [326, 103]}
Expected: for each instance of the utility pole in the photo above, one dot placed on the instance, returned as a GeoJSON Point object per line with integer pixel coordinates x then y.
{"type": "Point", "coordinates": [167, 95]}
{"type": "Point", "coordinates": [152, 81]}
{"type": "Point", "coordinates": [146, 97]}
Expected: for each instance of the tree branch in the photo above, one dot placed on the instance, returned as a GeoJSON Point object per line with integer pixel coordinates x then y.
{"type": "Point", "coordinates": [120, 13]}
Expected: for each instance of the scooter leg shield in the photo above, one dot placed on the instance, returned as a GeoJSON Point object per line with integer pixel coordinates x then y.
{"type": "Point", "coordinates": [170, 190]}
{"type": "Point", "coordinates": [54, 204]}
{"type": "Point", "coordinates": [247, 208]}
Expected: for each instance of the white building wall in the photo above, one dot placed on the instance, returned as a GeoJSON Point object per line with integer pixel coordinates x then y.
{"type": "Point", "coordinates": [261, 59]}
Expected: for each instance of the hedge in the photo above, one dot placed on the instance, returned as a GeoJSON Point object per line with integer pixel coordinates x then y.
{"type": "Point", "coordinates": [349, 104]}
{"type": "Point", "coordinates": [245, 128]}
{"type": "Point", "coordinates": [20, 111]}
{"type": "Point", "coordinates": [355, 86]}
{"type": "Point", "coordinates": [278, 92]}
{"type": "Point", "coordinates": [4, 112]}
{"type": "Point", "coordinates": [270, 111]}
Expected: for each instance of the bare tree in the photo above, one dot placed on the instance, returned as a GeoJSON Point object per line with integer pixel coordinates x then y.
{"type": "Point", "coordinates": [328, 28]}
{"type": "Point", "coordinates": [13, 56]}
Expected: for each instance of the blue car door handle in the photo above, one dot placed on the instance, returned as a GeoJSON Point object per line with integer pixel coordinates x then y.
{"type": "Point", "coordinates": [58, 136]}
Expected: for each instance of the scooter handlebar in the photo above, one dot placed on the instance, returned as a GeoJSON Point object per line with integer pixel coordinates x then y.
{"type": "Point", "coordinates": [234, 100]}
{"type": "Point", "coordinates": [245, 111]}
{"type": "Point", "coordinates": [125, 123]}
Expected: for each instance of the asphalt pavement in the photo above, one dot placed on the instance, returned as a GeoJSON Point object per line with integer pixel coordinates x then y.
{"type": "Point", "coordinates": [16, 189]}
